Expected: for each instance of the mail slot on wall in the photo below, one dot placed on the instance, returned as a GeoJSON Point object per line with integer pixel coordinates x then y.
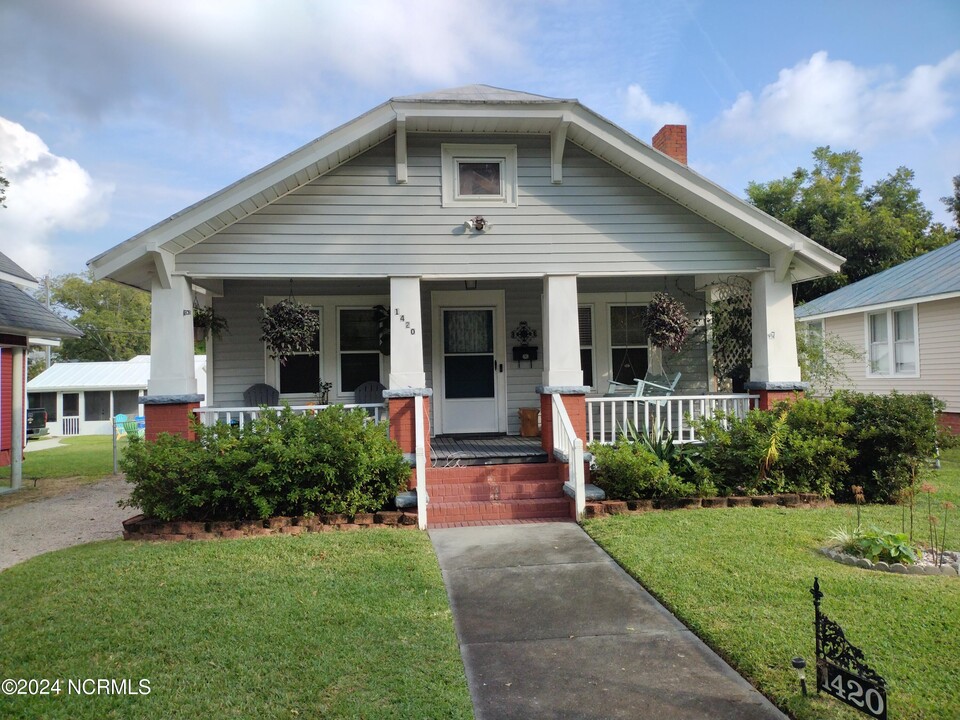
{"type": "Point", "coordinates": [525, 352]}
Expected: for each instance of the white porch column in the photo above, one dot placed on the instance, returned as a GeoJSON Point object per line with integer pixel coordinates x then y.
{"type": "Point", "coordinates": [171, 339]}
{"type": "Point", "coordinates": [16, 415]}
{"type": "Point", "coordinates": [774, 334]}
{"type": "Point", "coordinates": [561, 332]}
{"type": "Point", "coordinates": [406, 334]}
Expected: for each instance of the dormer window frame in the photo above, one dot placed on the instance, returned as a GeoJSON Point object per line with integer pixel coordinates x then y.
{"type": "Point", "coordinates": [456, 156]}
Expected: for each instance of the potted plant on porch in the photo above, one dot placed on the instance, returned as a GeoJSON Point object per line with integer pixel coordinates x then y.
{"type": "Point", "coordinates": [667, 324]}
{"type": "Point", "coordinates": [289, 328]}
{"type": "Point", "coordinates": [206, 321]}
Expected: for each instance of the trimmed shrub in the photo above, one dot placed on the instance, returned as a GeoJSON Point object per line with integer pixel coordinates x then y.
{"type": "Point", "coordinates": [892, 436]}
{"type": "Point", "coordinates": [333, 461]}
{"type": "Point", "coordinates": [796, 447]}
{"type": "Point", "coordinates": [631, 471]}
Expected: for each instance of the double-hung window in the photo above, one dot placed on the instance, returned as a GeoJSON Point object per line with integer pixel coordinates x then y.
{"type": "Point", "coordinates": [628, 344]}
{"type": "Point", "coordinates": [892, 342]}
{"type": "Point", "coordinates": [585, 321]}
{"type": "Point", "coordinates": [359, 348]}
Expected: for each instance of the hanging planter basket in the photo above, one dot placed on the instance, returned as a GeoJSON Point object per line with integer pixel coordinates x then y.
{"type": "Point", "coordinates": [666, 322]}
{"type": "Point", "coordinates": [206, 321]}
{"type": "Point", "coordinates": [289, 328]}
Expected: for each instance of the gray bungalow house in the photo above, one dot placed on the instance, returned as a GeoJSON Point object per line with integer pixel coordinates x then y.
{"type": "Point", "coordinates": [477, 216]}
{"type": "Point", "coordinates": [905, 321]}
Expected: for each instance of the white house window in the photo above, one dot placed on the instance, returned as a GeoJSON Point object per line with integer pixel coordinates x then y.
{"type": "Point", "coordinates": [628, 343]}
{"type": "Point", "coordinates": [479, 175]}
{"type": "Point", "coordinates": [892, 342]}
{"type": "Point", "coordinates": [300, 375]}
{"type": "Point", "coordinates": [585, 321]}
{"type": "Point", "coordinates": [359, 347]}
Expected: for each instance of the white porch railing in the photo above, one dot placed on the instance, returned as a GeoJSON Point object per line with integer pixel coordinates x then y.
{"type": "Point", "coordinates": [420, 448]}
{"type": "Point", "coordinates": [569, 448]}
{"type": "Point", "coordinates": [242, 415]}
{"type": "Point", "coordinates": [70, 425]}
{"type": "Point", "coordinates": [607, 417]}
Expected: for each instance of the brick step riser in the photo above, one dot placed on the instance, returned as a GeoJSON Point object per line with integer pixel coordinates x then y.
{"type": "Point", "coordinates": [500, 473]}
{"type": "Point", "coordinates": [494, 511]}
{"type": "Point", "coordinates": [496, 491]}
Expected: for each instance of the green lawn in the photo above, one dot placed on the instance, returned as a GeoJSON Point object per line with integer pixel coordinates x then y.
{"type": "Point", "coordinates": [740, 578]}
{"type": "Point", "coordinates": [332, 625]}
{"type": "Point", "coordinates": [83, 456]}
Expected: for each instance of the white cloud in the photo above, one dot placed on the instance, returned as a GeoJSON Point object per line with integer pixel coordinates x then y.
{"type": "Point", "coordinates": [108, 55]}
{"type": "Point", "coordinates": [640, 107]}
{"type": "Point", "coordinates": [820, 100]}
{"type": "Point", "coordinates": [47, 194]}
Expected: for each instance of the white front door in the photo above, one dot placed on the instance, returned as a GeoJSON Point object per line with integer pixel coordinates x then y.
{"type": "Point", "coordinates": [469, 363]}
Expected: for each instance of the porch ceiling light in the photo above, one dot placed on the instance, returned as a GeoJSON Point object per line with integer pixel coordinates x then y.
{"type": "Point", "coordinates": [477, 223]}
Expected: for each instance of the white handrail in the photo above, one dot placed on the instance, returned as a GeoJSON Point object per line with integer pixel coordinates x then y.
{"type": "Point", "coordinates": [569, 448]}
{"type": "Point", "coordinates": [421, 462]}
{"type": "Point", "coordinates": [608, 417]}
{"type": "Point", "coordinates": [241, 415]}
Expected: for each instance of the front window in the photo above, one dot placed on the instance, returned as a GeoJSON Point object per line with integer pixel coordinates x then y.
{"type": "Point", "coordinates": [892, 342]}
{"type": "Point", "coordinates": [300, 374]}
{"type": "Point", "coordinates": [359, 347]}
{"type": "Point", "coordinates": [585, 321]}
{"type": "Point", "coordinates": [628, 344]}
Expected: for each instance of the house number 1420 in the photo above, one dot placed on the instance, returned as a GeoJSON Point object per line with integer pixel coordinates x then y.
{"type": "Point", "coordinates": [406, 323]}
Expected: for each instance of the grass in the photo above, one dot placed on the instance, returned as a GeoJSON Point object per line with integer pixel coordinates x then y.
{"type": "Point", "coordinates": [75, 461]}
{"type": "Point", "coordinates": [741, 578]}
{"type": "Point", "coordinates": [333, 625]}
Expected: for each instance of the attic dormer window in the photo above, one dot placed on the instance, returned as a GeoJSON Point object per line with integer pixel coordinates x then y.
{"type": "Point", "coordinates": [479, 175]}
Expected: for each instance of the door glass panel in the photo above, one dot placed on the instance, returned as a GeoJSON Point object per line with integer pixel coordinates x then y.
{"type": "Point", "coordinates": [468, 376]}
{"type": "Point", "coordinates": [467, 331]}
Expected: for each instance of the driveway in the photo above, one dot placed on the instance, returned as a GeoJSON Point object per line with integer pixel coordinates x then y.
{"type": "Point", "coordinates": [78, 516]}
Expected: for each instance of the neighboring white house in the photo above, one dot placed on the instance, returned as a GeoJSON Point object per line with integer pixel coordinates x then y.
{"type": "Point", "coordinates": [470, 214]}
{"type": "Point", "coordinates": [81, 397]}
{"type": "Point", "coordinates": [905, 321]}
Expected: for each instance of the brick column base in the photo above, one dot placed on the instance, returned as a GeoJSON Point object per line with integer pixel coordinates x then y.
{"type": "Point", "coordinates": [576, 406]}
{"type": "Point", "coordinates": [402, 416]}
{"type": "Point", "coordinates": [173, 418]}
{"type": "Point", "coordinates": [772, 393]}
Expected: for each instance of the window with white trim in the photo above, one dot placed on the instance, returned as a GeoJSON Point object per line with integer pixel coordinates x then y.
{"type": "Point", "coordinates": [300, 374]}
{"type": "Point", "coordinates": [892, 342]}
{"type": "Point", "coordinates": [479, 175]}
{"type": "Point", "coordinates": [358, 347]}
{"type": "Point", "coordinates": [629, 353]}
{"type": "Point", "coordinates": [585, 322]}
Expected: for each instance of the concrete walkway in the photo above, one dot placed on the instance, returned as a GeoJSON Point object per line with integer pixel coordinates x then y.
{"type": "Point", "coordinates": [81, 515]}
{"type": "Point", "coordinates": [550, 627]}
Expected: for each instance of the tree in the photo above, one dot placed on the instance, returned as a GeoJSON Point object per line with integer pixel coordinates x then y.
{"type": "Point", "coordinates": [114, 319]}
{"type": "Point", "coordinates": [4, 184]}
{"type": "Point", "coordinates": [874, 228]}
{"type": "Point", "coordinates": [953, 205]}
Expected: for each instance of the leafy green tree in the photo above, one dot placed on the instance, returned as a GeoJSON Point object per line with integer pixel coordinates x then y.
{"type": "Point", "coordinates": [4, 184]}
{"type": "Point", "coordinates": [875, 227]}
{"type": "Point", "coordinates": [953, 205]}
{"type": "Point", "coordinates": [114, 319]}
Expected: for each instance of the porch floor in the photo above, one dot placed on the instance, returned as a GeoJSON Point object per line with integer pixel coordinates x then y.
{"type": "Point", "coordinates": [459, 451]}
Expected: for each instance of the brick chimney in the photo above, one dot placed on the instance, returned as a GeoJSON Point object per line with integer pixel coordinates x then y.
{"type": "Point", "coordinates": [672, 140]}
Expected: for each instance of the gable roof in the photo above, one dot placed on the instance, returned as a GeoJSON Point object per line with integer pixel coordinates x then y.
{"type": "Point", "coordinates": [11, 272]}
{"type": "Point", "coordinates": [470, 109]}
{"type": "Point", "coordinates": [931, 276]}
{"type": "Point", "coordinates": [20, 314]}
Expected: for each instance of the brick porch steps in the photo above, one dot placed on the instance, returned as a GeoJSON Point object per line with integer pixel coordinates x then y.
{"type": "Point", "coordinates": [496, 493]}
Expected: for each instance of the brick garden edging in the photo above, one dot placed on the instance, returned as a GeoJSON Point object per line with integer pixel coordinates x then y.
{"type": "Point", "coordinates": [618, 507]}
{"type": "Point", "coordinates": [141, 527]}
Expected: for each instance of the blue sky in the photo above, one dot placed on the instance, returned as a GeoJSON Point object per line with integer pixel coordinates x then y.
{"type": "Point", "coordinates": [115, 114]}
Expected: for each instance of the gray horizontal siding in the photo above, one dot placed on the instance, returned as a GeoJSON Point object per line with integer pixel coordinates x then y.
{"type": "Point", "coordinates": [356, 221]}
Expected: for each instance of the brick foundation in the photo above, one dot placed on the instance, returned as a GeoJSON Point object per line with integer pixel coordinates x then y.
{"type": "Point", "coordinates": [951, 421]}
{"type": "Point", "coordinates": [402, 414]}
{"type": "Point", "coordinates": [174, 418]}
{"type": "Point", "coordinates": [576, 406]}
